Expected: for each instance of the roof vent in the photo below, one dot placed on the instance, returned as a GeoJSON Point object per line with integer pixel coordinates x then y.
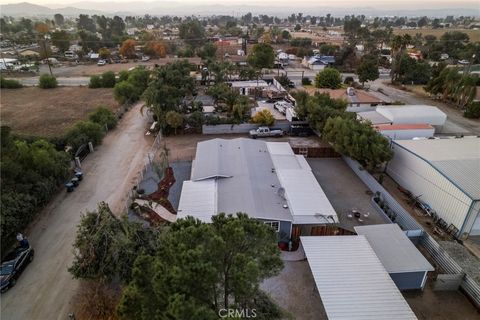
{"type": "Point", "coordinates": [285, 206]}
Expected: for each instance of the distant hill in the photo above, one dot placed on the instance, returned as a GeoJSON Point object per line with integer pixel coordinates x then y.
{"type": "Point", "coordinates": [159, 8]}
{"type": "Point", "coordinates": [26, 9]}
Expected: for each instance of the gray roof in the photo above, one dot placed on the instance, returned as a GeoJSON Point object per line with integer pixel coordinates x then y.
{"type": "Point", "coordinates": [245, 181]}
{"type": "Point", "coordinates": [394, 249]}
{"type": "Point", "coordinates": [374, 117]}
{"type": "Point", "coordinates": [457, 159]}
{"type": "Point", "coordinates": [352, 282]}
{"type": "Point", "coordinates": [263, 179]}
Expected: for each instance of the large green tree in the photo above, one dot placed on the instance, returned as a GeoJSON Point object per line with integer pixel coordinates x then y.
{"type": "Point", "coordinates": [193, 33]}
{"type": "Point", "coordinates": [367, 70]}
{"type": "Point", "coordinates": [201, 268]}
{"type": "Point", "coordinates": [165, 92]}
{"type": "Point", "coordinates": [328, 78]}
{"type": "Point", "coordinates": [106, 246]}
{"type": "Point", "coordinates": [61, 40]}
{"type": "Point", "coordinates": [262, 56]}
{"type": "Point", "coordinates": [358, 140]}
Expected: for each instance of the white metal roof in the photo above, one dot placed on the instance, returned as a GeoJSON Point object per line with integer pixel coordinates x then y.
{"type": "Point", "coordinates": [374, 117]}
{"type": "Point", "coordinates": [396, 252]}
{"type": "Point", "coordinates": [198, 200]}
{"type": "Point", "coordinates": [249, 84]}
{"type": "Point", "coordinates": [265, 180]}
{"type": "Point", "coordinates": [413, 114]}
{"type": "Point", "coordinates": [306, 199]}
{"type": "Point", "coordinates": [351, 280]}
{"type": "Point", "coordinates": [456, 159]}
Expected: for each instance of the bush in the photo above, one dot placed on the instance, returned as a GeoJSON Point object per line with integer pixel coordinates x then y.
{"type": "Point", "coordinates": [84, 132]}
{"type": "Point", "coordinates": [263, 117]}
{"type": "Point", "coordinates": [9, 84]}
{"type": "Point", "coordinates": [472, 111]}
{"type": "Point", "coordinates": [125, 92]}
{"type": "Point", "coordinates": [328, 78]}
{"type": "Point", "coordinates": [95, 82]}
{"type": "Point", "coordinates": [306, 81]}
{"type": "Point", "coordinates": [47, 81]}
{"type": "Point", "coordinates": [122, 75]}
{"type": "Point", "coordinates": [108, 79]}
{"type": "Point", "coordinates": [104, 117]}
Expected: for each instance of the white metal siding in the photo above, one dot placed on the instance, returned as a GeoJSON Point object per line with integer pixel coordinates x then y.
{"type": "Point", "coordinates": [418, 176]}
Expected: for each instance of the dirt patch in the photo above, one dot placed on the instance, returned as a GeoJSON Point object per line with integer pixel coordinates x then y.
{"type": "Point", "coordinates": [49, 113]}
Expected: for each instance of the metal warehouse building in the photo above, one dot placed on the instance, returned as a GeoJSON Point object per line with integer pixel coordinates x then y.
{"type": "Point", "coordinates": [445, 174]}
{"type": "Point", "coordinates": [352, 282]}
{"type": "Point", "coordinates": [406, 265]}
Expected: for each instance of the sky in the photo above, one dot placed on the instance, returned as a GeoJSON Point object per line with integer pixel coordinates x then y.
{"type": "Point", "coordinates": [384, 4]}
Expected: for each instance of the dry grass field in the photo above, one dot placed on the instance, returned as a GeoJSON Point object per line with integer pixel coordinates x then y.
{"type": "Point", "coordinates": [32, 111]}
{"type": "Point", "coordinates": [473, 34]}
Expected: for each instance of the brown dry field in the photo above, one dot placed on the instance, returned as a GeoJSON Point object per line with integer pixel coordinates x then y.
{"type": "Point", "coordinates": [32, 111]}
{"type": "Point", "coordinates": [473, 34]}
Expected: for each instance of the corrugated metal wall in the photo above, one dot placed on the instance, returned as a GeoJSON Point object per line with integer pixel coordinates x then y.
{"type": "Point", "coordinates": [416, 175]}
{"type": "Point", "coordinates": [407, 222]}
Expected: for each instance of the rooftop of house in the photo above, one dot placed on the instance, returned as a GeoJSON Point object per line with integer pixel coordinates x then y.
{"type": "Point", "coordinates": [391, 245]}
{"type": "Point", "coordinates": [263, 179]}
{"type": "Point", "coordinates": [359, 97]}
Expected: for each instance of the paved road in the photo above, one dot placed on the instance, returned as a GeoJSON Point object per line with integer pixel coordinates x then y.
{"type": "Point", "coordinates": [45, 290]}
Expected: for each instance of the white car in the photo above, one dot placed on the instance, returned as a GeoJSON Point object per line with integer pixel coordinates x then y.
{"type": "Point", "coordinates": [463, 62]}
{"type": "Point", "coordinates": [101, 62]}
{"type": "Point", "coordinates": [145, 58]}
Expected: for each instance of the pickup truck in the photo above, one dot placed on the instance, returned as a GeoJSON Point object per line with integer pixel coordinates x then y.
{"type": "Point", "coordinates": [263, 132]}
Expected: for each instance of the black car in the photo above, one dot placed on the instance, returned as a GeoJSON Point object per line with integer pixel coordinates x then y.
{"type": "Point", "coordinates": [13, 265]}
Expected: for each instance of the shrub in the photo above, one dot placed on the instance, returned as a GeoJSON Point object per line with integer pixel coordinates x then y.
{"type": "Point", "coordinates": [472, 111]}
{"type": "Point", "coordinates": [122, 75]}
{"type": "Point", "coordinates": [263, 117]}
{"type": "Point", "coordinates": [108, 79]}
{"type": "Point", "coordinates": [9, 83]}
{"type": "Point", "coordinates": [328, 78]}
{"type": "Point", "coordinates": [95, 82]}
{"type": "Point", "coordinates": [306, 81]}
{"type": "Point", "coordinates": [104, 117]}
{"type": "Point", "coordinates": [47, 81]}
{"type": "Point", "coordinates": [84, 132]}
{"type": "Point", "coordinates": [125, 92]}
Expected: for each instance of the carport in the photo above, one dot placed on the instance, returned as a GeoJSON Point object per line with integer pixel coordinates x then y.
{"type": "Point", "coordinates": [406, 265]}
{"type": "Point", "coordinates": [351, 280]}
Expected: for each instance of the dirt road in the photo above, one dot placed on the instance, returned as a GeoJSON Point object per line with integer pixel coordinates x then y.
{"type": "Point", "coordinates": [45, 289]}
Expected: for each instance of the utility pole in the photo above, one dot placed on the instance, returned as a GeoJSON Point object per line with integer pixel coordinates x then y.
{"type": "Point", "coordinates": [46, 55]}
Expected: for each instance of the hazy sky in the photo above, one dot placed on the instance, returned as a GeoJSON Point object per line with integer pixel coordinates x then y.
{"type": "Point", "coordinates": [385, 4]}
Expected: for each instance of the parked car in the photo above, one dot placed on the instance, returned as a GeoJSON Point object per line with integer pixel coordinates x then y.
{"type": "Point", "coordinates": [13, 265]}
{"type": "Point", "coordinates": [101, 62]}
{"type": "Point", "coordinates": [263, 132]}
{"type": "Point", "coordinates": [145, 58]}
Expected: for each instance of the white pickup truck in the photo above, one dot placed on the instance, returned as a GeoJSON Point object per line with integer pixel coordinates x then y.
{"type": "Point", "coordinates": [263, 132]}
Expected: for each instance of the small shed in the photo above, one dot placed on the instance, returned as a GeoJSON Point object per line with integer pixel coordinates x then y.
{"type": "Point", "coordinates": [405, 131]}
{"type": "Point", "coordinates": [406, 265]}
{"type": "Point", "coordinates": [352, 282]}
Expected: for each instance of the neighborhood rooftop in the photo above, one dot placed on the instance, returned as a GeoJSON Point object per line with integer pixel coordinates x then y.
{"type": "Point", "coordinates": [457, 159]}
{"type": "Point", "coordinates": [264, 179]}
{"type": "Point", "coordinates": [392, 246]}
{"type": "Point", "coordinates": [351, 280]}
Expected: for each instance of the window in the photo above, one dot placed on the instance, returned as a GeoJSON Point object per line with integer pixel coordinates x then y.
{"type": "Point", "coordinates": [274, 224]}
